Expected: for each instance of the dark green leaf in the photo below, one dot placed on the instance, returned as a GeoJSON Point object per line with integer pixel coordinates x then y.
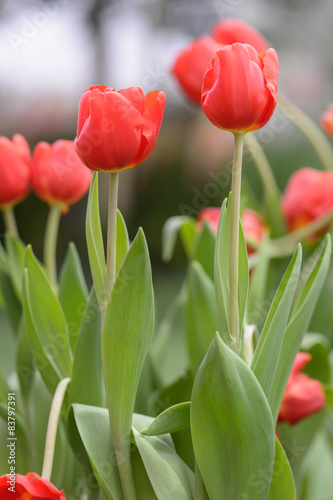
{"type": "Point", "coordinates": [15, 251]}
{"type": "Point", "coordinates": [12, 304]}
{"type": "Point", "coordinates": [204, 248]}
{"type": "Point", "coordinates": [173, 419]}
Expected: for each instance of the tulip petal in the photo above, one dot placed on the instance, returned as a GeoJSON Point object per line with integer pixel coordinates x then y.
{"type": "Point", "coordinates": [136, 96]}
{"type": "Point", "coordinates": [15, 173]}
{"type": "Point", "coordinates": [233, 30]}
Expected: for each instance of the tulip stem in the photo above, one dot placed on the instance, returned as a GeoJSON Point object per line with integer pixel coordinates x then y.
{"type": "Point", "coordinates": [9, 220]}
{"type": "Point", "coordinates": [262, 164]}
{"type": "Point", "coordinates": [52, 427]}
{"type": "Point", "coordinates": [310, 129]}
{"type": "Point", "coordinates": [112, 234]}
{"type": "Point", "coordinates": [50, 242]}
{"type": "Point", "coordinates": [234, 238]}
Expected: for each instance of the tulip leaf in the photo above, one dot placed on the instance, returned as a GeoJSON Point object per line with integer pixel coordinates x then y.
{"type": "Point", "coordinates": [266, 355]}
{"type": "Point", "coordinates": [73, 293]}
{"type": "Point", "coordinates": [172, 419]}
{"type": "Point", "coordinates": [11, 302]}
{"type": "Point", "coordinates": [126, 336]}
{"type": "Point", "coordinates": [24, 360]}
{"type": "Point", "coordinates": [186, 227]}
{"type": "Point", "coordinates": [282, 485]}
{"type": "Point", "coordinates": [95, 241]}
{"type": "Point", "coordinates": [222, 251]}
{"type": "Point", "coordinates": [94, 429]}
{"type": "Point", "coordinates": [316, 273]}
{"type": "Point", "coordinates": [47, 316]}
{"type": "Point", "coordinates": [3, 259]}
{"type": "Point", "coordinates": [232, 426]}
{"type": "Point", "coordinates": [86, 384]}
{"type": "Point", "coordinates": [201, 314]}
{"type": "Point", "coordinates": [204, 248]}
{"type": "Point", "coordinates": [257, 287]}
{"type": "Point", "coordinates": [15, 251]}
{"type": "Point", "coordinates": [170, 477]}
{"type": "Point", "coordinates": [122, 241]}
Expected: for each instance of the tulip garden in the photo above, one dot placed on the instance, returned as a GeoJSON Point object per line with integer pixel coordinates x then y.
{"type": "Point", "coordinates": [229, 396]}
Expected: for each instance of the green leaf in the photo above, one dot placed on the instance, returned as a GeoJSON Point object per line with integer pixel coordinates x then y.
{"type": "Point", "coordinates": [95, 241]}
{"type": "Point", "coordinates": [266, 355]}
{"type": "Point", "coordinates": [232, 426]}
{"type": "Point", "coordinates": [258, 285]}
{"type": "Point", "coordinates": [273, 214]}
{"type": "Point", "coordinates": [122, 241]}
{"type": "Point", "coordinates": [3, 259]}
{"type": "Point", "coordinates": [201, 314]}
{"type": "Point", "coordinates": [86, 384]}
{"type": "Point", "coordinates": [173, 419]}
{"type": "Point", "coordinates": [4, 388]}
{"type": "Point", "coordinates": [47, 316]}
{"type": "Point", "coordinates": [24, 360]}
{"type": "Point", "coordinates": [73, 293]}
{"type": "Point", "coordinates": [204, 248]}
{"type": "Point", "coordinates": [221, 271]}
{"type": "Point", "coordinates": [94, 429]}
{"type": "Point", "coordinates": [282, 485]}
{"type": "Point", "coordinates": [168, 474]}
{"type": "Point", "coordinates": [11, 302]}
{"type": "Point", "coordinates": [184, 225]}
{"type": "Point", "coordinates": [15, 251]}
{"type": "Point", "coordinates": [319, 347]}
{"type": "Point", "coordinates": [127, 332]}
{"type": "Point", "coordinates": [299, 322]}
{"type": "Point", "coordinates": [329, 395]}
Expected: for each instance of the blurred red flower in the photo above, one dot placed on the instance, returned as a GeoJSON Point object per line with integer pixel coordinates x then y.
{"type": "Point", "coordinates": [118, 130]}
{"type": "Point", "coordinates": [15, 170]}
{"type": "Point", "coordinates": [326, 120]}
{"type": "Point", "coordinates": [235, 30]}
{"type": "Point", "coordinates": [239, 88]}
{"type": "Point", "coordinates": [29, 487]}
{"type": "Point", "coordinates": [307, 196]}
{"type": "Point", "coordinates": [303, 395]}
{"type": "Point", "coordinates": [58, 175]}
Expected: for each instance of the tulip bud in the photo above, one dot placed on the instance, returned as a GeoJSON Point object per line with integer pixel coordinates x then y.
{"type": "Point", "coordinates": [326, 120]}
{"type": "Point", "coordinates": [118, 130]}
{"type": "Point", "coordinates": [15, 170]}
{"type": "Point", "coordinates": [234, 30]}
{"type": "Point", "coordinates": [58, 175]}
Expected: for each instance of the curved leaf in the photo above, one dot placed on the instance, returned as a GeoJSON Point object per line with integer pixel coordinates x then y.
{"type": "Point", "coordinates": [172, 419]}
{"type": "Point", "coordinates": [282, 485]}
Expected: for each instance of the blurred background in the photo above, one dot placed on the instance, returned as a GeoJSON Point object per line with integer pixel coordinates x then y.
{"type": "Point", "coordinates": [52, 50]}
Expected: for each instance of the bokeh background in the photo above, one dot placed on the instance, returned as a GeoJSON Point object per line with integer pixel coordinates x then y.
{"type": "Point", "coordinates": [51, 50]}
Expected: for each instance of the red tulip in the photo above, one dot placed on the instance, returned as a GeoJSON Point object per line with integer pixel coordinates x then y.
{"type": "Point", "coordinates": [29, 487]}
{"type": "Point", "coordinates": [58, 175]}
{"type": "Point", "coordinates": [15, 170]}
{"type": "Point", "coordinates": [210, 215]}
{"type": "Point", "coordinates": [191, 64]}
{"type": "Point", "coordinates": [240, 88]}
{"type": "Point", "coordinates": [118, 130]}
{"type": "Point", "coordinates": [303, 395]}
{"type": "Point", "coordinates": [326, 120]}
{"type": "Point", "coordinates": [234, 30]}
{"type": "Point", "coordinates": [308, 195]}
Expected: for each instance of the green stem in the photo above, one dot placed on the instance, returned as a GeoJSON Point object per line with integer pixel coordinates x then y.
{"type": "Point", "coordinates": [262, 164]}
{"type": "Point", "coordinates": [122, 449]}
{"type": "Point", "coordinates": [9, 220]}
{"type": "Point", "coordinates": [234, 237]}
{"type": "Point", "coordinates": [50, 242]}
{"type": "Point", "coordinates": [112, 234]}
{"type": "Point", "coordinates": [52, 427]}
{"type": "Point", "coordinates": [310, 129]}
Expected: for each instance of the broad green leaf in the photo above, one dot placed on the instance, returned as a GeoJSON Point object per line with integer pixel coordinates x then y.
{"type": "Point", "coordinates": [168, 351]}
{"type": "Point", "coordinates": [73, 293]}
{"type": "Point", "coordinates": [15, 251]}
{"type": "Point", "coordinates": [122, 241]}
{"type": "Point", "coordinates": [201, 314]}
{"type": "Point", "coordinates": [204, 248]}
{"type": "Point", "coordinates": [24, 360]}
{"type": "Point", "coordinates": [282, 485]}
{"type": "Point", "coordinates": [86, 384]}
{"type": "Point", "coordinates": [221, 272]}
{"type": "Point", "coordinates": [300, 318]}
{"type": "Point", "coordinates": [232, 426]}
{"type": "Point", "coordinates": [266, 355]}
{"type": "Point", "coordinates": [47, 315]}
{"type": "Point", "coordinates": [143, 486]}
{"type": "Point", "coordinates": [184, 225]}
{"type": "Point", "coordinates": [11, 302]}
{"type": "Point", "coordinates": [126, 336]}
{"type": "Point", "coordinates": [173, 419]}
{"type": "Point", "coordinates": [168, 474]}
{"type": "Point", "coordinates": [94, 428]}
{"type": "Point", "coordinates": [95, 241]}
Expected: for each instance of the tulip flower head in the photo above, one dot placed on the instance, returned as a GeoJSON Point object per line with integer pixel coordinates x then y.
{"type": "Point", "coordinates": [210, 215]}
{"type": "Point", "coordinates": [29, 487]}
{"type": "Point", "coordinates": [118, 130]}
{"type": "Point", "coordinates": [58, 175]}
{"type": "Point", "coordinates": [326, 120]}
{"type": "Point", "coordinates": [235, 30]}
{"type": "Point", "coordinates": [303, 395]}
{"type": "Point", "coordinates": [308, 196]}
{"type": "Point", "coordinates": [15, 170]}
{"type": "Point", "coordinates": [239, 89]}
